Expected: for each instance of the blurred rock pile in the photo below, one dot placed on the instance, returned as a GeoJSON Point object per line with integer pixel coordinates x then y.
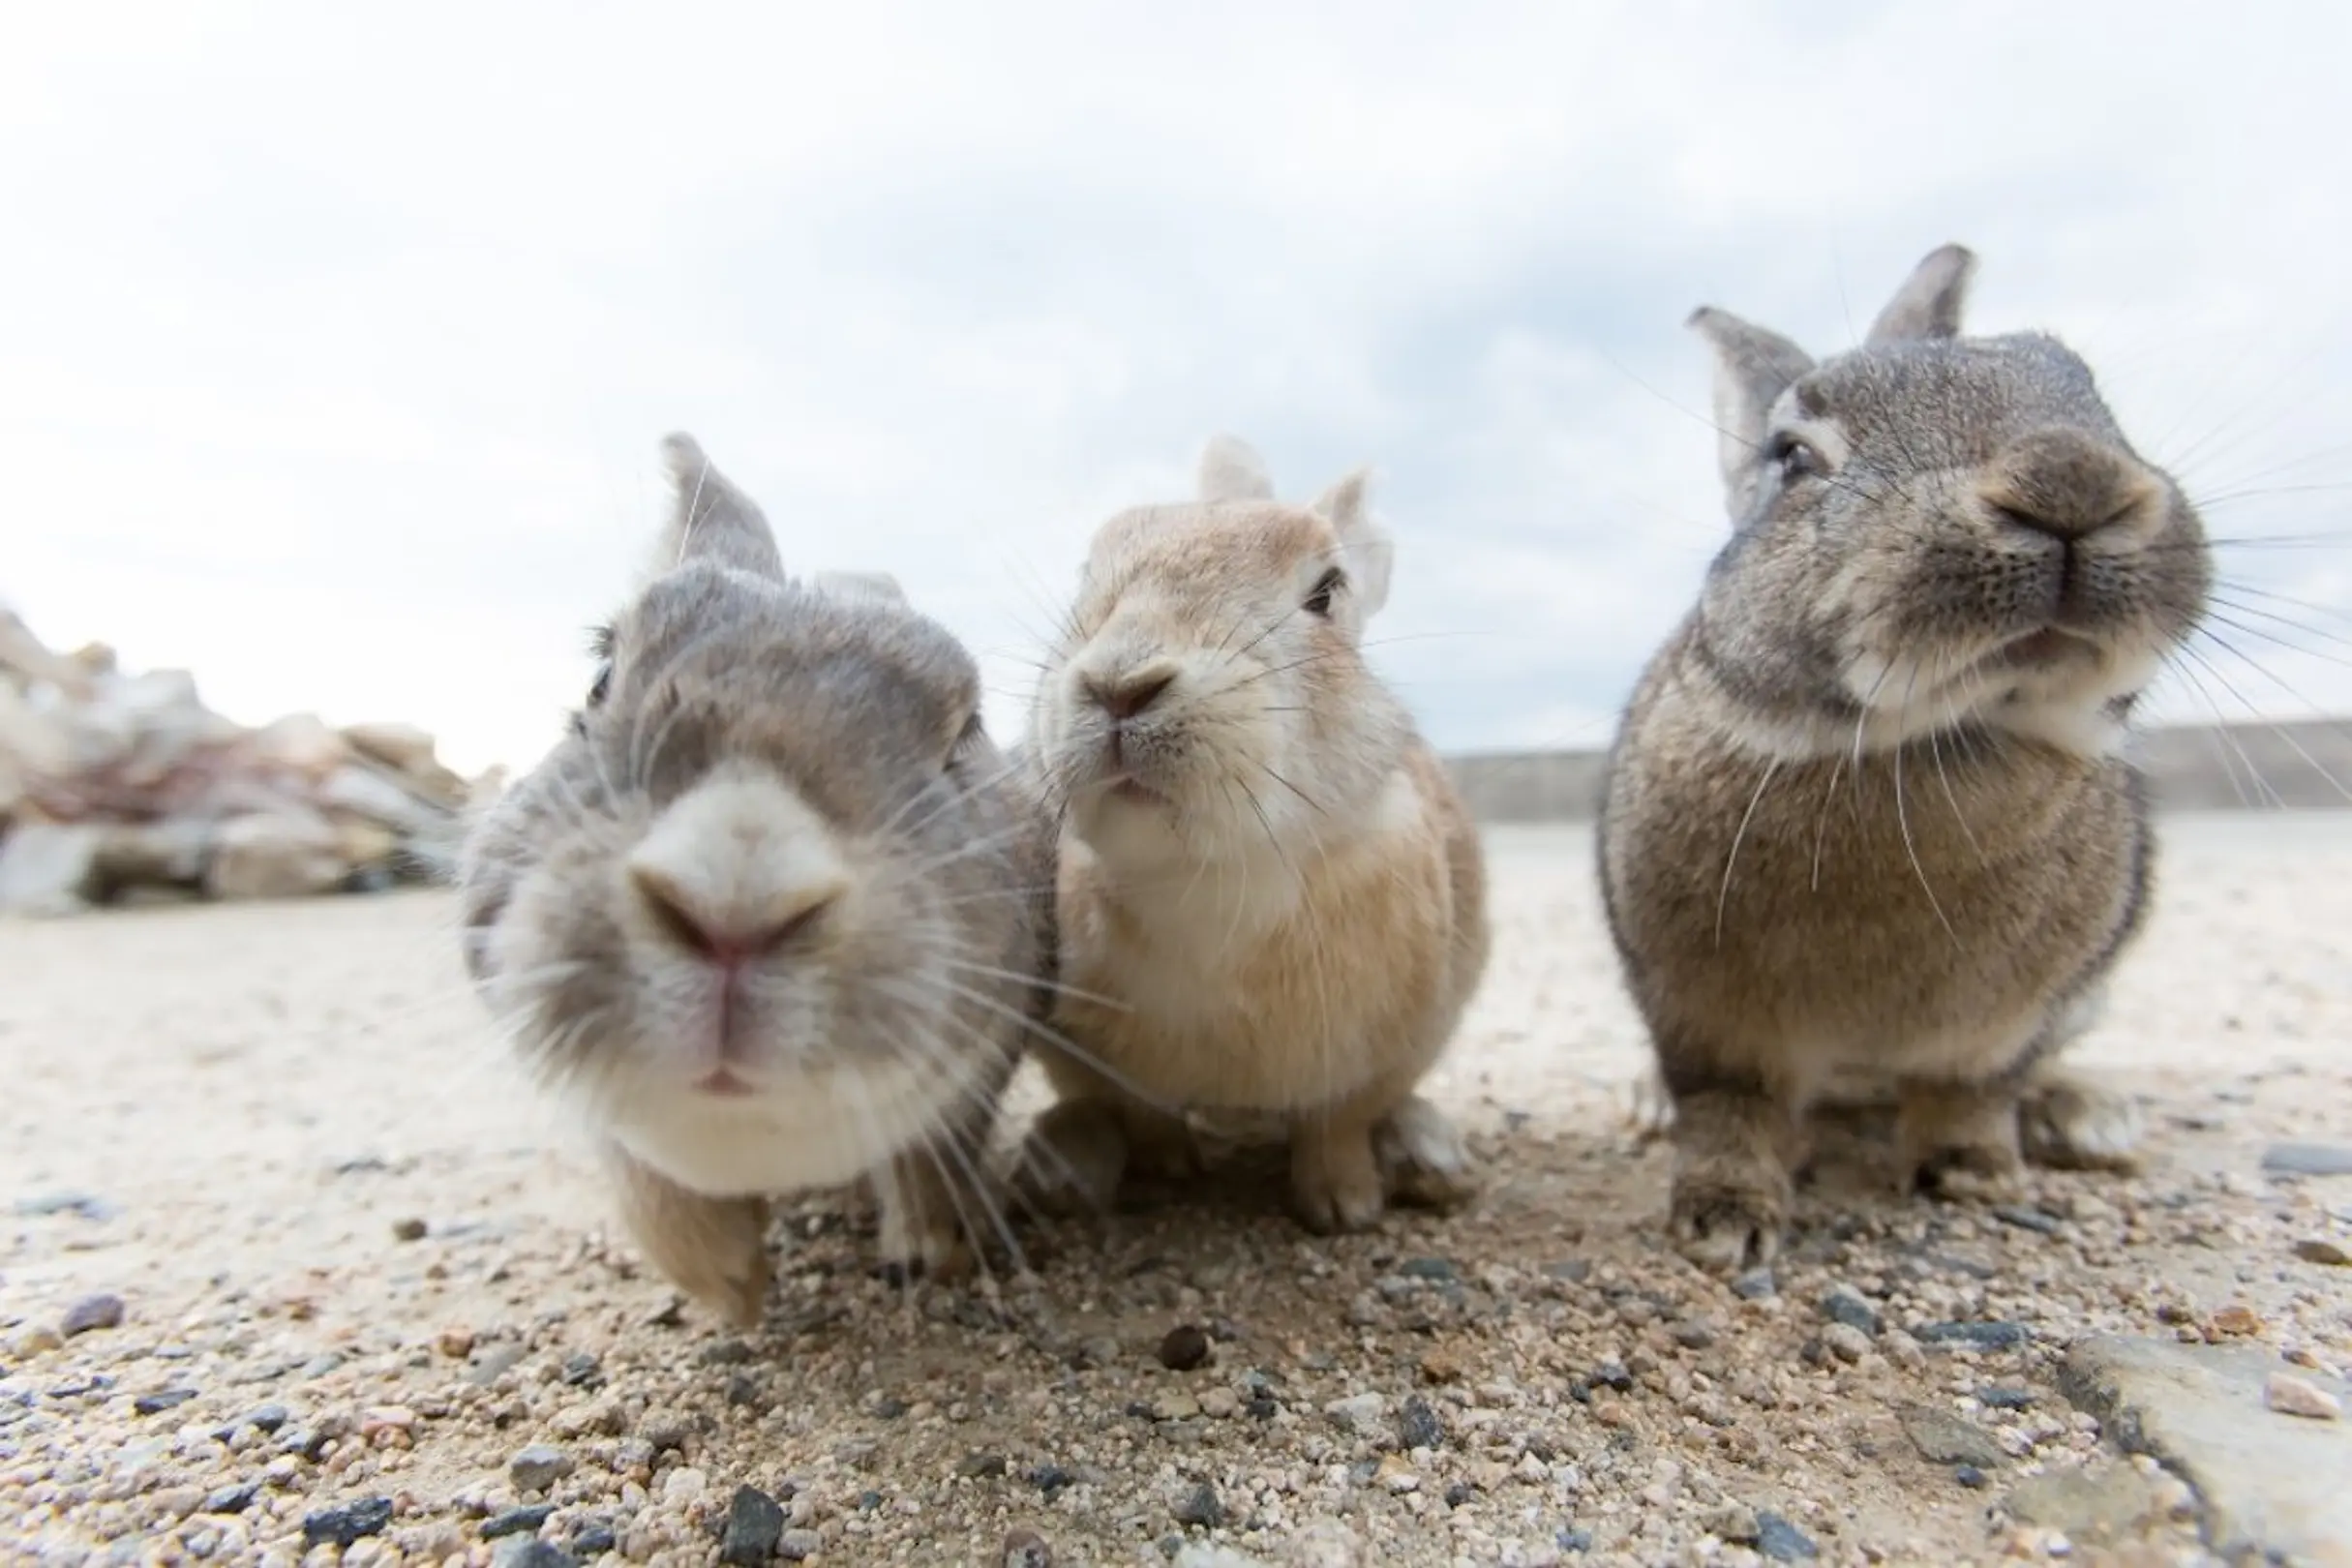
{"type": "Point", "coordinates": [116, 786]}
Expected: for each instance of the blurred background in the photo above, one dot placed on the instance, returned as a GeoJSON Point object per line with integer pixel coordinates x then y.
{"type": "Point", "coordinates": [339, 339]}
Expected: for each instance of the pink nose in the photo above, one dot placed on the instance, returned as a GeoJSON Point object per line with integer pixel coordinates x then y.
{"type": "Point", "coordinates": [729, 938]}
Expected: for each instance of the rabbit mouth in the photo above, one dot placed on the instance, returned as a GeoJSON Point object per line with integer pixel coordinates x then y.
{"type": "Point", "coordinates": [2050, 646]}
{"type": "Point", "coordinates": [723, 1084]}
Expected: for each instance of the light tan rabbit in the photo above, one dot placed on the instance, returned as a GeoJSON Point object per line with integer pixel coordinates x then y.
{"type": "Point", "coordinates": [1271, 898]}
{"type": "Point", "coordinates": [775, 914]}
{"type": "Point", "coordinates": [1870, 830]}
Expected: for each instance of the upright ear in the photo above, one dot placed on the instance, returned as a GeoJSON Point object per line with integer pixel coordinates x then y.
{"type": "Point", "coordinates": [1230, 469]}
{"type": "Point", "coordinates": [1929, 303]}
{"type": "Point", "coordinates": [1753, 367]}
{"type": "Point", "coordinates": [879, 587]}
{"type": "Point", "coordinates": [712, 520]}
{"type": "Point", "coordinates": [1370, 552]}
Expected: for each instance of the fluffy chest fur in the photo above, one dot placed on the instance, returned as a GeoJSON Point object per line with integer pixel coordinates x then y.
{"type": "Point", "coordinates": [1276, 984]}
{"type": "Point", "coordinates": [1918, 912]}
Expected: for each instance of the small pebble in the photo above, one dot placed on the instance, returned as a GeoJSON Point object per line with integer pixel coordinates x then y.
{"type": "Point", "coordinates": [2290, 1394]}
{"type": "Point", "coordinates": [352, 1521]}
{"type": "Point", "coordinates": [1846, 1341]}
{"type": "Point", "coordinates": [1027, 1549]}
{"type": "Point", "coordinates": [1358, 1413]}
{"type": "Point", "coordinates": [1969, 1476]}
{"type": "Point", "coordinates": [2005, 1398]}
{"type": "Point", "coordinates": [39, 1339]}
{"type": "Point", "coordinates": [1756, 1285]}
{"type": "Point", "coordinates": [2024, 1219]}
{"type": "Point", "coordinates": [1417, 1425]}
{"type": "Point", "coordinates": [2308, 1159]}
{"type": "Point", "coordinates": [1573, 1539]}
{"type": "Point", "coordinates": [1995, 1335]}
{"type": "Point", "coordinates": [539, 1466]}
{"type": "Point", "coordinates": [530, 1552]}
{"type": "Point", "coordinates": [798, 1546]}
{"type": "Point", "coordinates": [1781, 1541]}
{"type": "Point", "coordinates": [100, 1312]}
{"type": "Point", "coordinates": [409, 1229]}
{"type": "Point", "coordinates": [593, 1537]}
{"type": "Point", "coordinates": [755, 1523]}
{"type": "Point", "coordinates": [232, 1499]}
{"type": "Point", "coordinates": [1186, 1346]}
{"type": "Point", "coordinates": [1200, 1506]}
{"type": "Point", "coordinates": [1427, 1268]}
{"type": "Point", "coordinates": [1842, 1306]}
{"type": "Point", "coordinates": [162, 1400]}
{"type": "Point", "coordinates": [517, 1521]}
{"type": "Point", "coordinates": [982, 1467]}
{"type": "Point", "coordinates": [2319, 1249]}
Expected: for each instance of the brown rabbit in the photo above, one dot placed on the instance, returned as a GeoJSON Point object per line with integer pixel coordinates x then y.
{"type": "Point", "coordinates": [1272, 900]}
{"type": "Point", "coordinates": [774, 915]}
{"type": "Point", "coordinates": [1869, 826]}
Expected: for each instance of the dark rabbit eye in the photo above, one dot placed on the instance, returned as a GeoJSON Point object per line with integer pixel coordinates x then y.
{"type": "Point", "coordinates": [602, 684]}
{"type": "Point", "coordinates": [1796, 457]}
{"type": "Point", "coordinates": [1319, 602]}
{"type": "Point", "coordinates": [974, 728]}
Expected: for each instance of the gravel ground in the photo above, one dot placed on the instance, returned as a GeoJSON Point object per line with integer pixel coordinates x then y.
{"type": "Point", "coordinates": [293, 1267]}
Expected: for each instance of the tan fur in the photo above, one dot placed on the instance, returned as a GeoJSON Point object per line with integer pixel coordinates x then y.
{"type": "Point", "coordinates": [1857, 847]}
{"type": "Point", "coordinates": [1296, 921]}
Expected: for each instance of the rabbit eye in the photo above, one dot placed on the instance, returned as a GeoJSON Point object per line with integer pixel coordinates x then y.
{"type": "Point", "coordinates": [1319, 602]}
{"type": "Point", "coordinates": [974, 728]}
{"type": "Point", "coordinates": [602, 684]}
{"type": "Point", "coordinates": [1796, 457]}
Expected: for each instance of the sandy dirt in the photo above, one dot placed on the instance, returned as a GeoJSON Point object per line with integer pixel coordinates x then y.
{"type": "Point", "coordinates": [368, 1292]}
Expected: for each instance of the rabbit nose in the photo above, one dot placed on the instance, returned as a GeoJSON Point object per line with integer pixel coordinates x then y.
{"type": "Point", "coordinates": [1125, 696]}
{"type": "Point", "coordinates": [2067, 485]}
{"type": "Point", "coordinates": [729, 932]}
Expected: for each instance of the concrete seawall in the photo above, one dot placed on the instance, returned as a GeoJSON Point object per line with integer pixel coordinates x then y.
{"type": "Point", "coordinates": [2304, 765]}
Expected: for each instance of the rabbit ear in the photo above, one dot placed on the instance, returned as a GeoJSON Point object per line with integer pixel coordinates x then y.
{"type": "Point", "coordinates": [1230, 469]}
{"type": "Point", "coordinates": [1753, 367]}
{"type": "Point", "coordinates": [879, 587]}
{"type": "Point", "coordinates": [1929, 303]}
{"type": "Point", "coordinates": [712, 520]}
{"type": "Point", "coordinates": [1370, 552]}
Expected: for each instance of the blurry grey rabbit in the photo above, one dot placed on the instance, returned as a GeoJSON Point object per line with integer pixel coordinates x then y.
{"type": "Point", "coordinates": [775, 914]}
{"type": "Point", "coordinates": [1869, 827]}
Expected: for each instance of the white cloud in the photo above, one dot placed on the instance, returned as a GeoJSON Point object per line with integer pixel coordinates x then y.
{"type": "Point", "coordinates": [337, 343]}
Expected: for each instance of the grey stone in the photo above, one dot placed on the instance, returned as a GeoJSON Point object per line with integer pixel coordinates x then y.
{"type": "Point", "coordinates": [1846, 1306]}
{"type": "Point", "coordinates": [2308, 1159]}
{"type": "Point", "coordinates": [2269, 1482]}
{"type": "Point", "coordinates": [795, 1546]}
{"type": "Point", "coordinates": [530, 1552]}
{"type": "Point", "coordinates": [1781, 1541]}
{"type": "Point", "coordinates": [755, 1523]}
{"type": "Point", "coordinates": [1950, 1440]}
{"type": "Point", "coordinates": [2089, 1505]}
{"type": "Point", "coordinates": [104, 1311]}
{"type": "Point", "coordinates": [1995, 1335]}
{"type": "Point", "coordinates": [539, 1466]}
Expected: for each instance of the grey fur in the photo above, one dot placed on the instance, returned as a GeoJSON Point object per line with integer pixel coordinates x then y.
{"type": "Point", "coordinates": [859, 716]}
{"type": "Point", "coordinates": [1868, 830]}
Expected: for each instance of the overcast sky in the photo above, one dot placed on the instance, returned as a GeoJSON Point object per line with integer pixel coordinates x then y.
{"type": "Point", "coordinates": [337, 341]}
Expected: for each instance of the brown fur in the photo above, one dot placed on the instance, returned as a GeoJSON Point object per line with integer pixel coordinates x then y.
{"type": "Point", "coordinates": [1295, 920]}
{"type": "Point", "coordinates": [1854, 844]}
